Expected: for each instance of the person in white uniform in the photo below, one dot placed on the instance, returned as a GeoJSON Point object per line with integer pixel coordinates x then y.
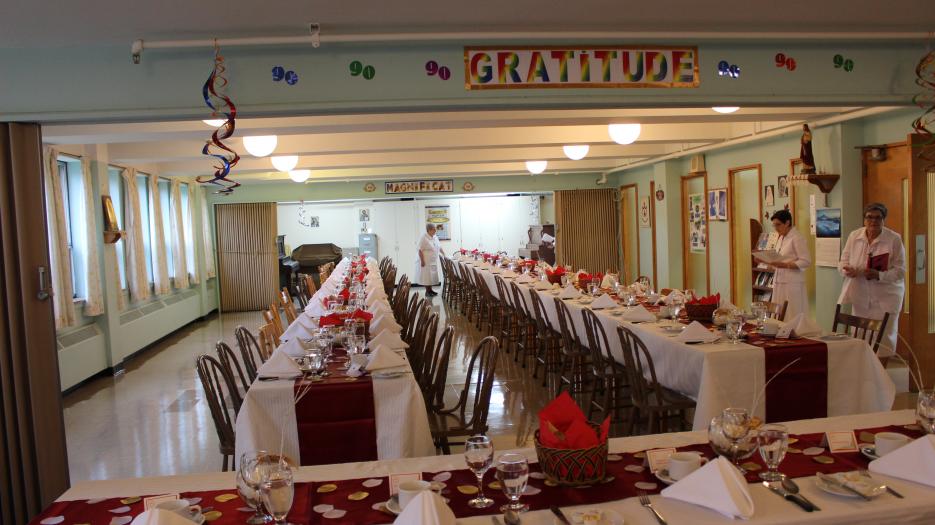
{"type": "Point", "coordinates": [789, 279]}
{"type": "Point", "coordinates": [873, 264]}
{"type": "Point", "coordinates": [429, 249]}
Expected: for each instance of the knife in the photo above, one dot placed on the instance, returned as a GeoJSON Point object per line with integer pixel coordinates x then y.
{"type": "Point", "coordinates": [831, 480]}
{"type": "Point", "coordinates": [560, 515]}
{"type": "Point", "coordinates": [788, 496]}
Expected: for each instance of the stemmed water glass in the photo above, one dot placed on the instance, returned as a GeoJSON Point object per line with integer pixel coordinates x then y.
{"type": "Point", "coordinates": [478, 454]}
{"type": "Point", "coordinates": [734, 326]}
{"type": "Point", "coordinates": [735, 425]}
{"type": "Point", "coordinates": [249, 477]}
{"type": "Point", "coordinates": [759, 313]}
{"type": "Point", "coordinates": [277, 492]}
{"type": "Point", "coordinates": [773, 441]}
{"type": "Point", "coordinates": [925, 410]}
{"type": "Point", "coordinates": [513, 473]}
{"type": "Point", "coordinates": [676, 305]}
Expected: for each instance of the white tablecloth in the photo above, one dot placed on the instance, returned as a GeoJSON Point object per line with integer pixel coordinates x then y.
{"type": "Point", "coordinates": [722, 375]}
{"type": "Point", "coordinates": [267, 417]}
{"type": "Point", "coordinates": [918, 507]}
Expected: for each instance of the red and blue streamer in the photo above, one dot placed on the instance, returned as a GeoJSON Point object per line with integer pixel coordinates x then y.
{"type": "Point", "coordinates": [213, 92]}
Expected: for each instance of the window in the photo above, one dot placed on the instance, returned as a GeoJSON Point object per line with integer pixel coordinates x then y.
{"type": "Point", "coordinates": [164, 189]}
{"type": "Point", "coordinates": [187, 222]}
{"type": "Point", "coordinates": [71, 180]}
{"type": "Point", "coordinates": [142, 188]}
{"type": "Point", "coordinates": [115, 183]}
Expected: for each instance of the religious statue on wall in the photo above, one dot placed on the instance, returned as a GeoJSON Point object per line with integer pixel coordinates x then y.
{"type": "Point", "coordinates": [805, 152]}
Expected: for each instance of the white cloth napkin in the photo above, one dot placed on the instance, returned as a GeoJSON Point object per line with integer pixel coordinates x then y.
{"type": "Point", "coordinates": [292, 348]}
{"type": "Point", "coordinates": [638, 314]}
{"type": "Point", "coordinates": [384, 322]}
{"type": "Point", "coordinates": [569, 292]}
{"type": "Point", "coordinates": [375, 295]}
{"type": "Point", "coordinates": [314, 307]}
{"type": "Point", "coordinates": [696, 332]}
{"type": "Point", "coordinates": [509, 274]}
{"type": "Point", "coordinates": [380, 307]}
{"type": "Point", "coordinates": [915, 462]}
{"type": "Point", "coordinates": [718, 486]}
{"type": "Point", "coordinates": [496, 269]}
{"type": "Point", "coordinates": [428, 508]}
{"type": "Point", "coordinates": [303, 326]}
{"type": "Point", "coordinates": [543, 285]}
{"type": "Point", "coordinates": [609, 280]}
{"type": "Point", "coordinates": [672, 295]}
{"type": "Point", "coordinates": [383, 357]}
{"type": "Point", "coordinates": [804, 326]}
{"type": "Point", "coordinates": [389, 339]}
{"type": "Point", "coordinates": [524, 279]}
{"type": "Point", "coordinates": [604, 301]}
{"type": "Point", "coordinates": [160, 517]}
{"type": "Point", "coordinates": [279, 365]}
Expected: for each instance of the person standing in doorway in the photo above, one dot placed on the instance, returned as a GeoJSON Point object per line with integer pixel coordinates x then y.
{"type": "Point", "coordinates": [789, 279]}
{"type": "Point", "coordinates": [874, 266]}
{"type": "Point", "coordinates": [429, 249]}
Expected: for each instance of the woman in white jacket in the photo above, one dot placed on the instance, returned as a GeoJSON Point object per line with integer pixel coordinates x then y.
{"type": "Point", "coordinates": [873, 264]}
{"type": "Point", "coordinates": [426, 271]}
{"type": "Point", "coordinates": [789, 279]}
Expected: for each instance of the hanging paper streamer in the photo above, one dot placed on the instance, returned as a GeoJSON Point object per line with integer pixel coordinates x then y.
{"type": "Point", "coordinates": [214, 93]}
{"type": "Point", "coordinates": [358, 69]}
{"type": "Point", "coordinates": [432, 69]}
{"type": "Point", "coordinates": [843, 63]}
{"type": "Point", "coordinates": [783, 61]}
{"type": "Point", "coordinates": [925, 78]}
{"type": "Point", "coordinates": [726, 69]}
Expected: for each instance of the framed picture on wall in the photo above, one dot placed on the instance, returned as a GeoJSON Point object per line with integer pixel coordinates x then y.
{"type": "Point", "coordinates": [364, 215]}
{"type": "Point", "coordinates": [717, 204]}
{"type": "Point", "coordinates": [645, 212]}
{"type": "Point", "coordinates": [769, 195]}
{"type": "Point", "coordinates": [783, 184]}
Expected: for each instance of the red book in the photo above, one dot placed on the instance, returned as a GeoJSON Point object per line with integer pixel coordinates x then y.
{"type": "Point", "coordinates": [879, 263]}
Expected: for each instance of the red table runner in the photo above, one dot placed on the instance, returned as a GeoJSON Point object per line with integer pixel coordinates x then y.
{"type": "Point", "coordinates": [336, 419]}
{"type": "Point", "coordinates": [800, 391]}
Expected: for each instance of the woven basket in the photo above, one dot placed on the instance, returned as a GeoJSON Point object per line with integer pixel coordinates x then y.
{"type": "Point", "coordinates": [700, 312]}
{"type": "Point", "coordinates": [554, 279]}
{"type": "Point", "coordinates": [573, 467]}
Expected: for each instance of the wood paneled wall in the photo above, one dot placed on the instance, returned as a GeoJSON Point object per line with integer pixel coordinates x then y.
{"type": "Point", "coordinates": [248, 267]}
{"type": "Point", "coordinates": [587, 229]}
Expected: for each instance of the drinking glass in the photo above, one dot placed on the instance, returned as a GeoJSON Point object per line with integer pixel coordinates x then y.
{"type": "Point", "coordinates": [277, 492]}
{"type": "Point", "coordinates": [735, 427]}
{"type": "Point", "coordinates": [478, 454]}
{"type": "Point", "coordinates": [676, 306]}
{"type": "Point", "coordinates": [925, 410]}
{"type": "Point", "coordinates": [773, 441]}
{"type": "Point", "coordinates": [734, 326]}
{"type": "Point", "coordinates": [759, 313]}
{"type": "Point", "coordinates": [250, 474]}
{"type": "Point", "coordinates": [513, 473]}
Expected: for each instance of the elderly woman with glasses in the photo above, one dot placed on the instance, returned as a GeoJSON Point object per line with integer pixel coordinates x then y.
{"type": "Point", "coordinates": [873, 264]}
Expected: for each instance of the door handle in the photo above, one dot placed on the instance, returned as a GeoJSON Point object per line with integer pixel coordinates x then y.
{"type": "Point", "coordinates": [43, 288]}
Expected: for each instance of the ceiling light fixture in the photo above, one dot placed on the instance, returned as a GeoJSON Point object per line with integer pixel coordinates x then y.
{"type": "Point", "coordinates": [215, 122]}
{"type": "Point", "coordinates": [576, 151]}
{"type": "Point", "coordinates": [300, 175]}
{"type": "Point", "coordinates": [261, 145]}
{"type": "Point", "coordinates": [725, 109]}
{"type": "Point", "coordinates": [536, 166]}
{"type": "Point", "coordinates": [624, 134]}
{"type": "Point", "coordinates": [285, 162]}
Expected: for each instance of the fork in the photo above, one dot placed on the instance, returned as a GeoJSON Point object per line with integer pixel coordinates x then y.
{"type": "Point", "coordinates": [644, 501]}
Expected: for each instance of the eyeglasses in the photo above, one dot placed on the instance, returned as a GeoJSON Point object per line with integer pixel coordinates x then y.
{"type": "Point", "coordinates": [873, 217]}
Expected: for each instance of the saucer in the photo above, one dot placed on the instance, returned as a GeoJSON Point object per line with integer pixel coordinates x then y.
{"type": "Point", "coordinates": [869, 451]}
{"type": "Point", "coordinates": [392, 506]}
{"type": "Point", "coordinates": [663, 476]}
{"type": "Point", "coordinates": [608, 517]}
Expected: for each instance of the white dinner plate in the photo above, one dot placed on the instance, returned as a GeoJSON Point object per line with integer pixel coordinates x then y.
{"type": "Point", "coordinates": [576, 517]}
{"type": "Point", "coordinates": [864, 484]}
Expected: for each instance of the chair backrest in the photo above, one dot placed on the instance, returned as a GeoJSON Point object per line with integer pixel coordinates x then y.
{"type": "Point", "coordinates": [228, 360]}
{"type": "Point", "coordinates": [777, 311]}
{"type": "Point", "coordinates": [870, 330]}
{"type": "Point", "coordinates": [519, 302]}
{"type": "Point", "coordinates": [412, 316]}
{"type": "Point", "coordinates": [268, 340]}
{"type": "Point", "coordinates": [482, 286]}
{"type": "Point", "coordinates": [436, 370]}
{"type": "Point", "coordinates": [541, 316]}
{"type": "Point", "coordinates": [479, 378]}
{"type": "Point", "coordinates": [598, 344]}
{"type": "Point", "coordinates": [570, 342]}
{"type": "Point", "coordinates": [641, 372]}
{"type": "Point", "coordinates": [468, 279]}
{"type": "Point", "coordinates": [272, 317]}
{"type": "Point", "coordinates": [389, 282]}
{"type": "Point", "coordinates": [424, 345]}
{"type": "Point", "coordinates": [250, 352]}
{"type": "Point", "coordinates": [310, 287]}
{"type": "Point", "coordinates": [287, 305]}
{"type": "Point", "coordinates": [218, 387]}
{"type": "Point", "coordinates": [503, 292]}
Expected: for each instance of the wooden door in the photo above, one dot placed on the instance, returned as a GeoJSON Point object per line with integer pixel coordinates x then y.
{"type": "Point", "coordinates": [696, 273]}
{"type": "Point", "coordinates": [745, 196]}
{"type": "Point", "coordinates": [920, 257]}
{"type": "Point", "coordinates": [630, 233]}
{"type": "Point", "coordinates": [248, 266]}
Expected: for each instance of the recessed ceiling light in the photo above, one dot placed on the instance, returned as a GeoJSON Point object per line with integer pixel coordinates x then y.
{"type": "Point", "coordinates": [576, 151]}
{"type": "Point", "coordinates": [536, 166]}
{"type": "Point", "coordinates": [285, 162]}
{"type": "Point", "coordinates": [725, 109]}
{"type": "Point", "coordinates": [214, 123]}
{"type": "Point", "coordinates": [300, 175]}
{"type": "Point", "coordinates": [624, 133]}
{"type": "Point", "coordinates": [260, 146]}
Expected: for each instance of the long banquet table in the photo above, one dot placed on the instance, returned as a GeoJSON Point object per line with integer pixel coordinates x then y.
{"type": "Point", "coordinates": [917, 507]}
{"type": "Point", "coordinates": [721, 375]}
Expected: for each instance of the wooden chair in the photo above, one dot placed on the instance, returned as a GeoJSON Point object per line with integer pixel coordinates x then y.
{"type": "Point", "coordinates": [574, 356]}
{"type": "Point", "coordinates": [219, 388]}
{"type": "Point", "coordinates": [509, 322]}
{"type": "Point", "coordinates": [424, 345]}
{"type": "Point", "coordinates": [655, 404]}
{"type": "Point", "coordinates": [777, 311]}
{"type": "Point", "coordinates": [610, 393]}
{"type": "Point", "coordinates": [870, 330]}
{"type": "Point", "coordinates": [549, 342]}
{"type": "Point", "coordinates": [310, 287]}
{"type": "Point", "coordinates": [455, 422]}
{"type": "Point", "coordinates": [287, 305]}
{"type": "Point", "coordinates": [228, 360]}
{"type": "Point", "coordinates": [526, 339]}
{"type": "Point", "coordinates": [436, 371]}
{"type": "Point", "coordinates": [268, 340]}
{"type": "Point", "coordinates": [272, 317]}
{"type": "Point", "coordinates": [250, 352]}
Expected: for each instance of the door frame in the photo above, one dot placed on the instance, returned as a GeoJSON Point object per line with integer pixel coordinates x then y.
{"type": "Point", "coordinates": [733, 216]}
{"type": "Point", "coordinates": [623, 230]}
{"type": "Point", "coordinates": [652, 225]}
{"type": "Point", "coordinates": [686, 244]}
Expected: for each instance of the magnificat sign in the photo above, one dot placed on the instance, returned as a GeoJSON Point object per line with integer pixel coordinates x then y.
{"type": "Point", "coordinates": [580, 67]}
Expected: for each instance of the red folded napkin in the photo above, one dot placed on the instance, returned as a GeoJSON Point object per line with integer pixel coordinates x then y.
{"type": "Point", "coordinates": [475, 251]}
{"type": "Point", "coordinates": [707, 300]}
{"type": "Point", "coordinates": [562, 424]}
{"type": "Point", "coordinates": [345, 293]}
{"type": "Point", "coordinates": [331, 320]}
{"type": "Point", "coordinates": [560, 271]}
{"type": "Point", "coordinates": [360, 314]}
{"type": "Point", "coordinates": [361, 277]}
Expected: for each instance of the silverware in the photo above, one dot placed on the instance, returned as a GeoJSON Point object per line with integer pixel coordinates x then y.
{"type": "Point", "coordinates": [831, 480]}
{"type": "Point", "coordinates": [793, 488]}
{"type": "Point", "coordinates": [278, 378]}
{"type": "Point", "coordinates": [511, 517]}
{"type": "Point", "coordinates": [889, 489]}
{"type": "Point", "coordinates": [644, 501]}
{"type": "Point", "coordinates": [496, 520]}
{"type": "Point", "coordinates": [561, 515]}
{"type": "Point", "coordinates": [782, 493]}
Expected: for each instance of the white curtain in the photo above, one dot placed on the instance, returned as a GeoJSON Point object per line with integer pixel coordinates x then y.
{"type": "Point", "coordinates": [136, 253]}
{"type": "Point", "coordinates": [206, 235]}
{"type": "Point", "coordinates": [178, 235]}
{"type": "Point", "coordinates": [59, 258]}
{"type": "Point", "coordinates": [161, 282]}
{"type": "Point", "coordinates": [94, 302]}
{"type": "Point", "coordinates": [190, 234]}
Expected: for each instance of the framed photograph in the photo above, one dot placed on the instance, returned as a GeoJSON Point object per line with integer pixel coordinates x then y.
{"type": "Point", "coordinates": [364, 215]}
{"type": "Point", "coordinates": [645, 212]}
{"type": "Point", "coordinates": [313, 222]}
{"type": "Point", "coordinates": [712, 205]}
{"type": "Point", "coordinates": [697, 222]}
{"type": "Point", "coordinates": [722, 204]}
{"type": "Point", "coordinates": [783, 186]}
{"type": "Point", "coordinates": [769, 195]}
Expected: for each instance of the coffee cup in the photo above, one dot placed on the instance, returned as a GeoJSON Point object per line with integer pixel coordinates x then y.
{"type": "Point", "coordinates": [770, 327]}
{"type": "Point", "coordinates": [182, 507]}
{"type": "Point", "coordinates": [410, 489]}
{"type": "Point", "coordinates": [886, 442]}
{"type": "Point", "coordinates": [682, 464]}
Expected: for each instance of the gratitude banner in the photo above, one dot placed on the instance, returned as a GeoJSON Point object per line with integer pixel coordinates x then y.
{"type": "Point", "coordinates": [580, 67]}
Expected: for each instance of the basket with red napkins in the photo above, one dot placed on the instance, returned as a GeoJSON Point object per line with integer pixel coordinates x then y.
{"type": "Point", "coordinates": [572, 451]}
{"type": "Point", "coordinates": [555, 276]}
{"type": "Point", "coordinates": [585, 278]}
{"type": "Point", "coordinates": [702, 308]}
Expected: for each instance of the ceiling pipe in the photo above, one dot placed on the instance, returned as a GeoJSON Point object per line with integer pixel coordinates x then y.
{"type": "Point", "coordinates": [315, 38]}
{"type": "Point", "coordinates": [860, 113]}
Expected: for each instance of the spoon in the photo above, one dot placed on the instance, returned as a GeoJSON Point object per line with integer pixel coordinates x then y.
{"type": "Point", "coordinates": [793, 488]}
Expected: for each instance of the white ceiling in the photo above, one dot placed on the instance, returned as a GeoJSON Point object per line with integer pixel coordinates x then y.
{"type": "Point", "coordinates": [37, 23]}
{"type": "Point", "coordinates": [452, 144]}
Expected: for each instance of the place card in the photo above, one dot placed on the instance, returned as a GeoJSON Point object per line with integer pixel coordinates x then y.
{"type": "Point", "coordinates": [784, 331]}
{"type": "Point", "coordinates": [840, 441]}
{"type": "Point", "coordinates": [659, 458]}
{"type": "Point", "coordinates": [396, 479]}
{"type": "Point", "coordinates": [151, 502]}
